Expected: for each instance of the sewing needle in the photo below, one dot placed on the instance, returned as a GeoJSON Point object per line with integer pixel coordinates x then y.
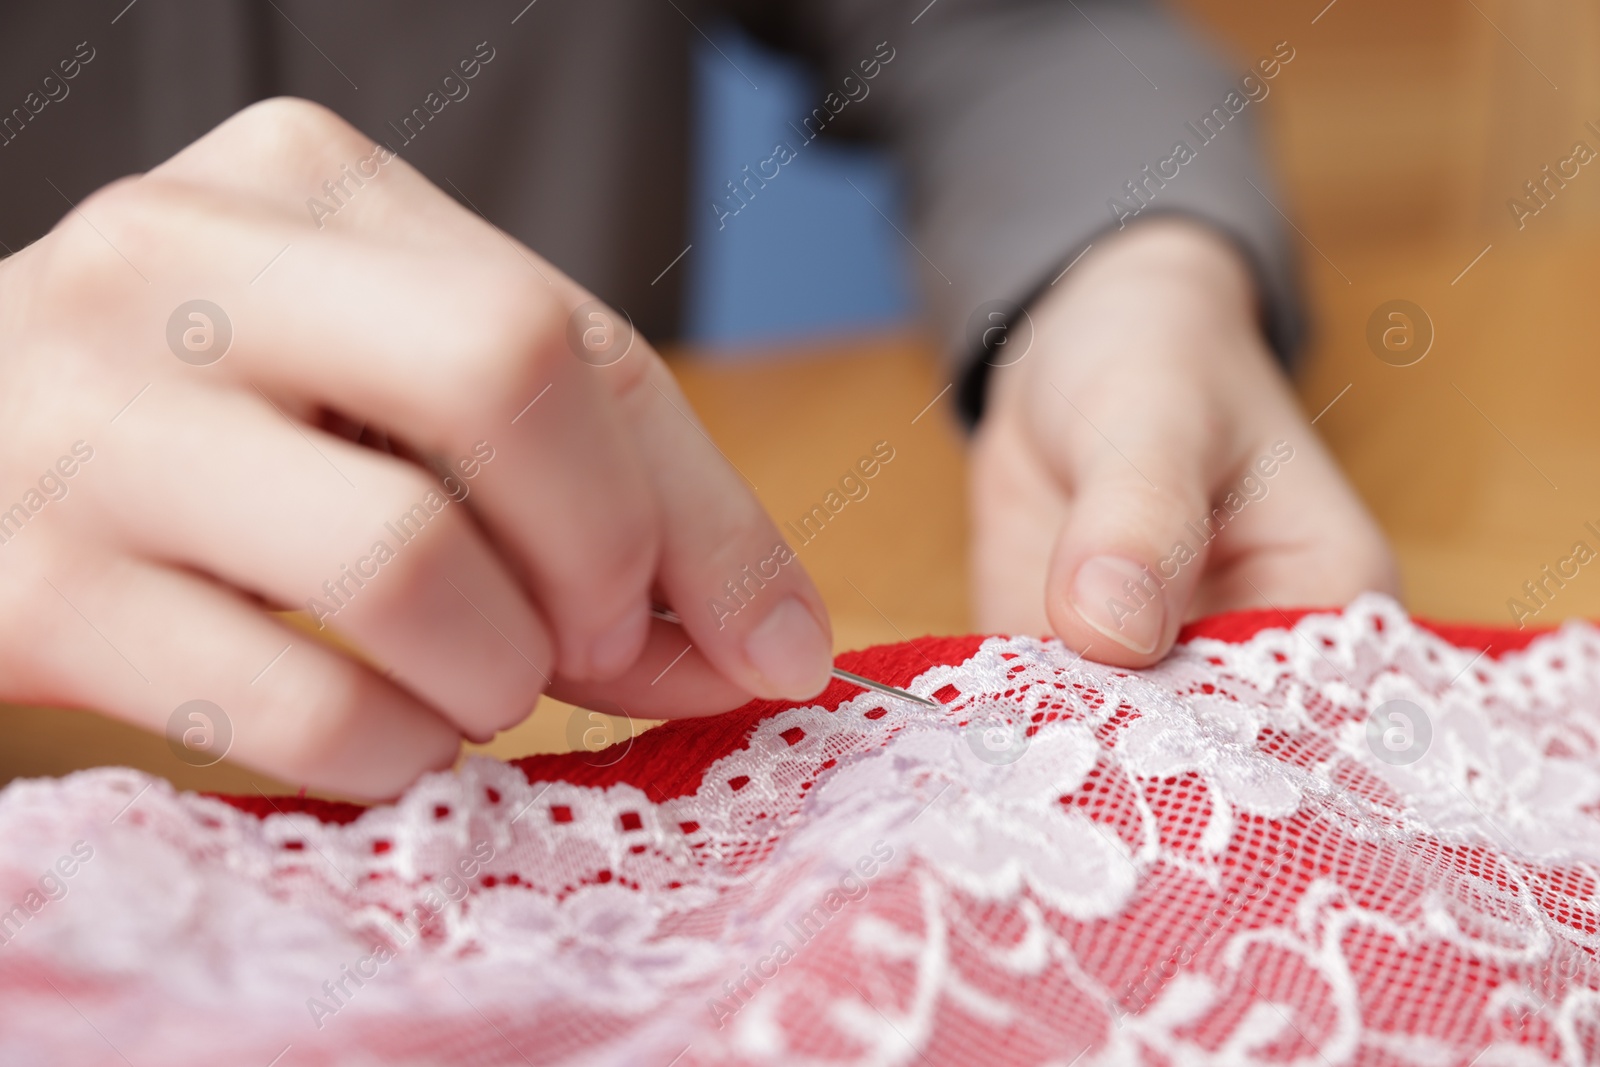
{"type": "Point", "coordinates": [668, 615]}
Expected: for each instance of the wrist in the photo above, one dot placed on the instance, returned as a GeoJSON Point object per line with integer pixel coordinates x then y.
{"type": "Point", "coordinates": [1171, 259]}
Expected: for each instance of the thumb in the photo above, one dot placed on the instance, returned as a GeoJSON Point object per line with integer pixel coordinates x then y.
{"type": "Point", "coordinates": [1130, 556]}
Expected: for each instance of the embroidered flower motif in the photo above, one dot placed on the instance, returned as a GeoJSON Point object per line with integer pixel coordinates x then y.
{"type": "Point", "coordinates": [1207, 862]}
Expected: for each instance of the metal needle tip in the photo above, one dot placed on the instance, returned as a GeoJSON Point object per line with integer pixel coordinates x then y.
{"type": "Point", "coordinates": [886, 690]}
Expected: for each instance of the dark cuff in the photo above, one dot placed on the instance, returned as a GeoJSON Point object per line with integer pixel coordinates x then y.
{"type": "Point", "coordinates": [1281, 315]}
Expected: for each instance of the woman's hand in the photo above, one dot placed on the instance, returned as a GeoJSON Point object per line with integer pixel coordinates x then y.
{"type": "Point", "coordinates": [1146, 462]}
{"type": "Point", "coordinates": [169, 470]}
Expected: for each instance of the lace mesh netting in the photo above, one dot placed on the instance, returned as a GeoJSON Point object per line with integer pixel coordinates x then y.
{"type": "Point", "coordinates": [1220, 860]}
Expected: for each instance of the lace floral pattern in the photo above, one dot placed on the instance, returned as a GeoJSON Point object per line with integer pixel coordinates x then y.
{"type": "Point", "coordinates": [1221, 860]}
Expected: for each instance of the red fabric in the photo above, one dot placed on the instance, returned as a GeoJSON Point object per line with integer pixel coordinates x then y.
{"type": "Point", "coordinates": [669, 761]}
{"type": "Point", "coordinates": [1236, 627]}
{"type": "Point", "coordinates": [328, 811]}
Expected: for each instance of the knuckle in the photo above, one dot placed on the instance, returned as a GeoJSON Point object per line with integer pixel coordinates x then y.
{"type": "Point", "coordinates": [113, 199]}
{"type": "Point", "coordinates": [127, 230]}
{"type": "Point", "coordinates": [630, 378]}
{"type": "Point", "coordinates": [77, 263]}
{"type": "Point", "coordinates": [507, 345]}
{"type": "Point", "coordinates": [287, 127]}
{"type": "Point", "coordinates": [133, 218]}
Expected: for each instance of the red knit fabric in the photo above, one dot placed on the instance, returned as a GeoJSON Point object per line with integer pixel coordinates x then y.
{"type": "Point", "coordinates": [1238, 626]}
{"type": "Point", "coordinates": [669, 761]}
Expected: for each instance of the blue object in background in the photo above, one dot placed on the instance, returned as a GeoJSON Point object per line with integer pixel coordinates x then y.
{"type": "Point", "coordinates": [807, 254]}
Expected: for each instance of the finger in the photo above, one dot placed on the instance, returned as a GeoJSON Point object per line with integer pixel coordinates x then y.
{"type": "Point", "coordinates": [1017, 507]}
{"type": "Point", "coordinates": [745, 600]}
{"type": "Point", "coordinates": [671, 679]}
{"type": "Point", "coordinates": [568, 501]}
{"type": "Point", "coordinates": [1126, 564]}
{"type": "Point", "coordinates": [1305, 540]}
{"type": "Point", "coordinates": [137, 641]}
{"type": "Point", "coordinates": [369, 545]}
{"type": "Point", "coordinates": [446, 353]}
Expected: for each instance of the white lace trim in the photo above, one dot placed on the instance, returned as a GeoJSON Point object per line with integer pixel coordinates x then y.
{"type": "Point", "coordinates": [1004, 919]}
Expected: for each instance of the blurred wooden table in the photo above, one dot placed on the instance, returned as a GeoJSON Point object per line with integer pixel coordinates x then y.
{"type": "Point", "coordinates": [1483, 460]}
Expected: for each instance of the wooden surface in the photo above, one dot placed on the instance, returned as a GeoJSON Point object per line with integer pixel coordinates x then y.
{"type": "Point", "coordinates": [1401, 132]}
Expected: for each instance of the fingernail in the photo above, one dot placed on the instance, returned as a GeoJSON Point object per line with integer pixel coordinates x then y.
{"type": "Point", "coordinates": [1116, 598]}
{"type": "Point", "coordinates": [790, 651]}
{"type": "Point", "coordinates": [616, 649]}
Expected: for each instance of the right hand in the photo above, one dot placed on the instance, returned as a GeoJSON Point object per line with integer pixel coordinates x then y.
{"type": "Point", "coordinates": [217, 492]}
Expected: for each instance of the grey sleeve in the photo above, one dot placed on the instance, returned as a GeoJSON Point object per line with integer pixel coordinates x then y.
{"type": "Point", "coordinates": [1028, 130]}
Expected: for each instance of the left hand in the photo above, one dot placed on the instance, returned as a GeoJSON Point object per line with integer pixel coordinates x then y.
{"type": "Point", "coordinates": [1146, 462]}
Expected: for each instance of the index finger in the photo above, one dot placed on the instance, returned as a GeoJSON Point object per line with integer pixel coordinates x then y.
{"type": "Point", "coordinates": [743, 596]}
